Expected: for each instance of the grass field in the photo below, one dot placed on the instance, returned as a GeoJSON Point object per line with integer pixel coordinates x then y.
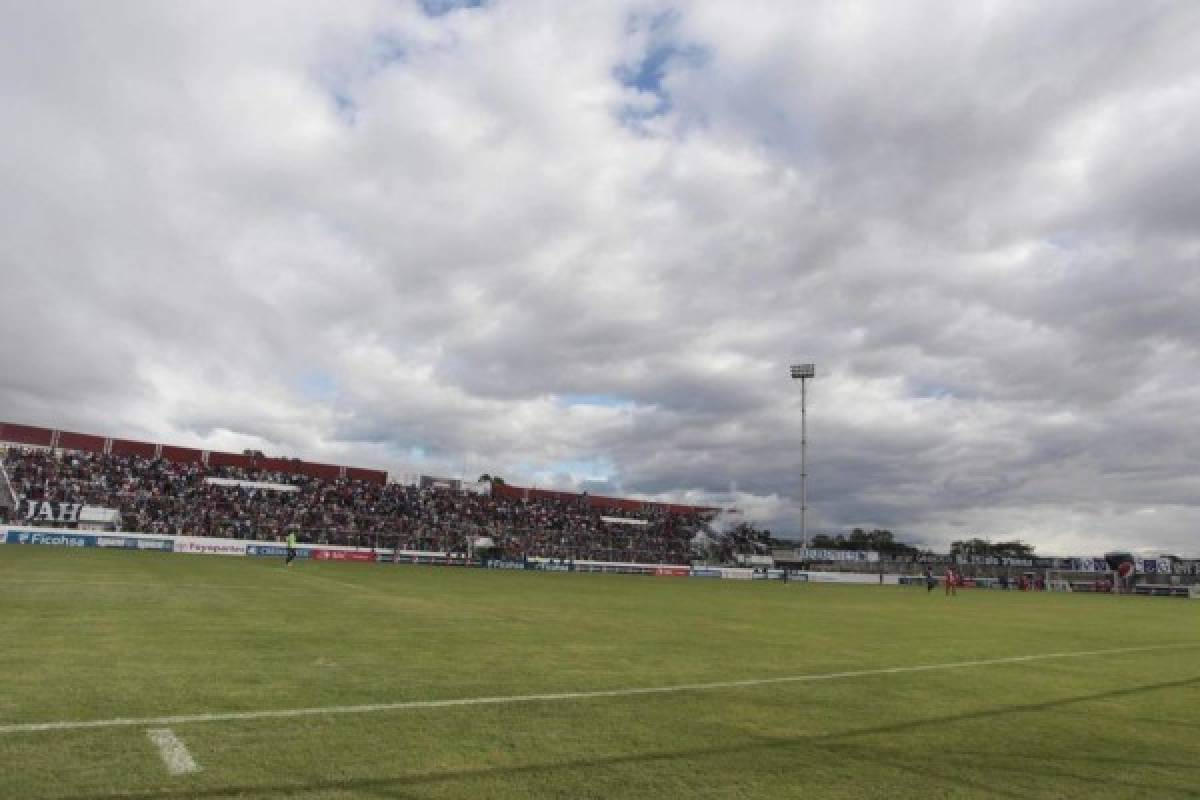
{"type": "Point", "coordinates": [90, 635]}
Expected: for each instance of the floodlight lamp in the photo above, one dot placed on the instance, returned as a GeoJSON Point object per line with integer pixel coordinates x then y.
{"type": "Point", "coordinates": [803, 370]}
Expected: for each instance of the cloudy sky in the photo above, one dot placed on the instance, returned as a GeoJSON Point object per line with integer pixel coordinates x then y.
{"type": "Point", "coordinates": [579, 243]}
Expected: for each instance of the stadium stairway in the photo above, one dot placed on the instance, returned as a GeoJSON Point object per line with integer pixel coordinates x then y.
{"type": "Point", "coordinates": [8, 498]}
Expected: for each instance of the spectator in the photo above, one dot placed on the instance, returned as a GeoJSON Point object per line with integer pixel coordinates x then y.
{"type": "Point", "coordinates": [158, 496]}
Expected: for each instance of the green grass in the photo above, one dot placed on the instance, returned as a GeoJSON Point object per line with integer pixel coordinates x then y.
{"type": "Point", "coordinates": [91, 635]}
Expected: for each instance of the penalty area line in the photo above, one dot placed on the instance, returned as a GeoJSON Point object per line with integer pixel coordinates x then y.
{"type": "Point", "coordinates": [174, 752]}
{"type": "Point", "coordinates": [410, 705]}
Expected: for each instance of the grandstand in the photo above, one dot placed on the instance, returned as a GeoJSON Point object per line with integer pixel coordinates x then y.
{"type": "Point", "coordinates": [180, 491]}
{"type": "Point", "coordinates": [167, 490]}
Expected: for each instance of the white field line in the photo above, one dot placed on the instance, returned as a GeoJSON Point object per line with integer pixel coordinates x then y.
{"type": "Point", "coordinates": [174, 752]}
{"type": "Point", "coordinates": [231, 716]}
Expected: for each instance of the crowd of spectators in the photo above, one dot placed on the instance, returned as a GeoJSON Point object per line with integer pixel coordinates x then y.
{"type": "Point", "coordinates": [157, 496]}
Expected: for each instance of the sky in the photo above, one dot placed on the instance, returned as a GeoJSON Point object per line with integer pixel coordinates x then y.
{"type": "Point", "coordinates": [579, 244]}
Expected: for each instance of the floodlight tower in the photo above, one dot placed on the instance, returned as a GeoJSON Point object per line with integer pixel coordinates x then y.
{"type": "Point", "coordinates": [802, 373]}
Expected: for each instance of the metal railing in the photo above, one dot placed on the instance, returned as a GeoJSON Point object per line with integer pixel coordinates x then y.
{"type": "Point", "coordinates": [8, 493]}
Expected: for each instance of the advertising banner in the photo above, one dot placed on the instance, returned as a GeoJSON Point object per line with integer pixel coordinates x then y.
{"type": "Point", "coordinates": [110, 518]}
{"type": "Point", "coordinates": [53, 539]}
{"type": "Point", "coordinates": [995, 561]}
{"type": "Point", "coordinates": [737, 574]}
{"type": "Point", "coordinates": [69, 513]}
{"type": "Point", "coordinates": [212, 547]}
{"type": "Point", "coordinates": [852, 577]}
{"type": "Point", "coordinates": [50, 511]}
{"type": "Point", "coordinates": [164, 545]}
{"type": "Point", "coordinates": [275, 550]}
{"type": "Point", "coordinates": [818, 554]}
{"type": "Point", "coordinates": [624, 521]}
{"type": "Point", "coordinates": [672, 572]}
{"type": "Point", "coordinates": [343, 555]}
{"type": "Point", "coordinates": [500, 563]}
{"type": "Point", "coordinates": [135, 543]}
{"type": "Point", "coordinates": [119, 542]}
{"type": "Point", "coordinates": [270, 487]}
{"type": "Point", "coordinates": [411, 557]}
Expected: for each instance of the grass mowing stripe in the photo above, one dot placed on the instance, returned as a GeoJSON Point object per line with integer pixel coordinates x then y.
{"type": "Point", "coordinates": [145, 585]}
{"type": "Point", "coordinates": [231, 716]}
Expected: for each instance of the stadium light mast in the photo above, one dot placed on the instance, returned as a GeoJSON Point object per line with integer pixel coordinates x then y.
{"type": "Point", "coordinates": [802, 373]}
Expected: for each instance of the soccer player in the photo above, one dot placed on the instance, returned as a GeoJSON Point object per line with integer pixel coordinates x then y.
{"type": "Point", "coordinates": [930, 581]}
{"type": "Point", "coordinates": [291, 549]}
{"type": "Point", "coordinates": [951, 581]}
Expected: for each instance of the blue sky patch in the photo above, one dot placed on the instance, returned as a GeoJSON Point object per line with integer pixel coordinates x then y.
{"type": "Point", "coordinates": [606, 400]}
{"type": "Point", "coordinates": [647, 75]}
{"type": "Point", "coordinates": [933, 391]}
{"type": "Point", "coordinates": [1064, 240]}
{"type": "Point", "coordinates": [581, 470]}
{"type": "Point", "coordinates": [438, 8]}
{"type": "Point", "coordinates": [318, 385]}
{"type": "Point", "coordinates": [341, 80]}
{"type": "Point", "coordinates": [346, 106]}
{"type": "Point", "coordinates": [386, 50]}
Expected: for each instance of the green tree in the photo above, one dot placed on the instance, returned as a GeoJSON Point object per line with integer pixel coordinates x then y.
{"type": "Point", "coordinates": [822, 541]}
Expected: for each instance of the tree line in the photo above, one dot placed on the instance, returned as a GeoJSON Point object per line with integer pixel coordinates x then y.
{"type": "Point", "coordinates": [986, 547]}
{"type": "Point", "coordinates": [884, 541]}
{"type": "Point", "coordinates": [881, 540]}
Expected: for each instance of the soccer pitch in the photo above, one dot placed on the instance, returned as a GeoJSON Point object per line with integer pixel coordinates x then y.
{"type": "Point", "coordinates": [150, 675]}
